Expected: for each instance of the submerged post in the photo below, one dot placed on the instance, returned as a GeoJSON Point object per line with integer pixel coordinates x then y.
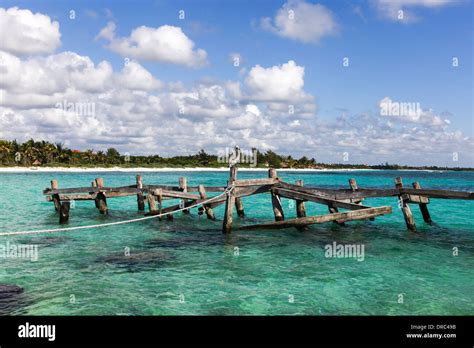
{"type": "Point", "coordinates": [409, 220]}
{"type": "Point", "coordinates": [230, 202]}
{"type": "Point", "coordinates": [207, 208]}
{"type": "Point", "coordinates": [183, 185]}
{"type": "Point", "coordinates": [300, 208]}
{"type": "Point", "coordinates": [276, 202]}
{"type": "Point", "coordinates": [100, 200]}
{"type": "Point", "coordinates": [423, 206]}
{"type": "Point", "coordinates": [57, 203]}
{"type": "Point", "coordinates": [140, 197]}
{"type": "Point", "coordinates": [64, 212]}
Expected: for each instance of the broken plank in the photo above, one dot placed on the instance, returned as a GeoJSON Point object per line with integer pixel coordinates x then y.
{"type": "Point", "coordinates": [304, 221]}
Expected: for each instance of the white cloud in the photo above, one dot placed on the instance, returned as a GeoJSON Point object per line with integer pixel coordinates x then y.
{"type": "Point", "coordinates": [24, 32]}
{"type": "Point", "coordinates": [277, 83]}
{"type": "Point", "coordinates": [134, 76]}
{"type": "Point", "coordinates": [302, 21]}
{"type": "Point", "coordinates": [166, 44]}
{"type": "Point", "coordinates": [390, 8]}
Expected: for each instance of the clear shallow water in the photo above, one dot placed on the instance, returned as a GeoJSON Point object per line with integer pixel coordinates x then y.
{"type": "Point", "coordinates": [189, 259]}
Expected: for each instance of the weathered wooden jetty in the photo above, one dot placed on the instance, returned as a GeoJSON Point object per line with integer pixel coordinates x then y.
{"type": "Point", "coordinates": [231, 194]}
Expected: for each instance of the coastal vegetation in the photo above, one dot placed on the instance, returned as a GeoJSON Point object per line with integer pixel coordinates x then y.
{"type": "Point", "coordinates": [32, 153]}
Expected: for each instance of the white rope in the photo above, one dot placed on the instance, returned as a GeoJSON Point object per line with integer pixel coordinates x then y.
{"type": "Point", "coordinates": [226, 192]}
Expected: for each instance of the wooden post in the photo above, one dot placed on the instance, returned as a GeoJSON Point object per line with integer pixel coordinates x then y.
{"type": "Point", "coordinates": [229, 203]}
{"type": "Point", "coordinates": [405, 207]}
{"type": "Point", "coordinates": [140, 197]}
{"type": "Point", "coordinates": [57, 203]}
{"type": "Point", "coordinates": [207, 208]}
{"type": "Point", "coordinates": [300, 208]}
{"type": "Point", "coordinates": [94, 185]}
{"type": "Point", "coordinates": [183, 185]}
{"type": "Point", "coordinates": [332, 210]}
{"type": "Point", "coordinates": [159, 195]}
{"type": "Point", "coordinates": [64, 212]}
{"type": "Point", "coordinates": [276, 203]}
{"type": "Point", "coordinates": [101, 201]}
{"type": "Point", "coordinates": [150, 197]}
{"type": "Point", "coordinates": [354, 187]}
{"type": "Point", "coordinates": [239, 206]}
{"type": "Point", "coordinates": [423, 206]}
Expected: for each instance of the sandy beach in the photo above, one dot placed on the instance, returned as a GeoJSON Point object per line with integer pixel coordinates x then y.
{"type": "Point", "coordinates": [138, 169]}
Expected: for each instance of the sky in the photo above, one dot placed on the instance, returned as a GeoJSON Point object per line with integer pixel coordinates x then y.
{"type": "Point", "coordinates": [342, 81]}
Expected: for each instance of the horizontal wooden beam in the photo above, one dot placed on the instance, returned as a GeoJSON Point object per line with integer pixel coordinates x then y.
{"type": "Point", "coordinates": [256, 182]}
{"type": "Point", "coordinates": [340, 217]}
{"type": "Point", "coordinates": [445, 194]}
{"type": "Point", "coordinates": [318, 199]}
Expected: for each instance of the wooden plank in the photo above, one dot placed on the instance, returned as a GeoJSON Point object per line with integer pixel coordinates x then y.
{"type": "Point", "coordinates": [317, 199]}
{"type": "Point", "coordinates": [345, 216]}
{"type": "Point", "coordinates": [207, 208]}
{"type": "Point", "coordinates": [445, 194]}
{"type": "Point", "coordinates": [251, 190]}
{"type": "Point", "coordinates": [140, 197]}
{"type": "Point", "coordinates": [174, 194]}
{"type": "Point", "coordinates": [229, 204]}
{"type": "Point", "coordinates": [407, 215]}
{"type": "Point", "coordinates": [423, 201]}
{"type": "Point", "coordinates": [276, 202]}
{"type": "Point", "coordinates": [256, 182]}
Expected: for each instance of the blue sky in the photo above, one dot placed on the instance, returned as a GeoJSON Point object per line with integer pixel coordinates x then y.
{"type": "Point", "coordinates": [407, 61]}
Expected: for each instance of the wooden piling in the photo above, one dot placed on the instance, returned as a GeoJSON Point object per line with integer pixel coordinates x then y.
{"type": "Point", "coordinates": [140, 197]}
{"type": "Point", "coordinates": [423, 206]}
{"type": "Point", "coordinates": [94, 185]}
{"type": "Point", "coordinates": [239, 206]}
{"type": "Point", "coordinates": [183, 185]}
{"type": "Point", "coordinates": [56, 201]}
{"type": "Point", "coordinates": [333, 210]}
{"type": "Point", "coordinates": [230, 202]}
{"type": "Point", "coordinates": [64, 212]}
{"type": "Point", "coordinates": [409, 220]}
{"type": "Point", "coordinates": [150, 197]}
{"type": "Point", "coordinates": [207, 208]}
{"type": "Point", "coordinates": [300, 208]}
{"type": "Point", "coordinates": [101, 201]}
{"type": "Point", "coordinates": [276, 202]}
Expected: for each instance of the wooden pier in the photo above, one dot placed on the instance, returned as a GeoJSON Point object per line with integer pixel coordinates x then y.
{"type": "Point", "coordinates": [206, 198]}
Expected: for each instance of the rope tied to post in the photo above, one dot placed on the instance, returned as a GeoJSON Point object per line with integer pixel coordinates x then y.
{"type": "Point", "coordinates": [64, 229]}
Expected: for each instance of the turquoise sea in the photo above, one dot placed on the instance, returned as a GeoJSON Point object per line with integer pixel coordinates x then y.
{"type": "Point", "coordinates": [188, 267]}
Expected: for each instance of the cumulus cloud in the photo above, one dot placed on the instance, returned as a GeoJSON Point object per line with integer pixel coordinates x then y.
{"type": "Point", "coordinates": [277, 83]}
{"type": "Point", "coordinates": [166, 44]}
{"type": "Point", "coordinates": [389, 9]}
{"type": "Point", "coordinates": [23, 32]}
{"type": "Point", "coordinates": [301, 21]}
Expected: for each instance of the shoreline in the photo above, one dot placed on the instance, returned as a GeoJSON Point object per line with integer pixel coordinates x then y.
{"type": "Point", "coordinates": [185, 169]}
